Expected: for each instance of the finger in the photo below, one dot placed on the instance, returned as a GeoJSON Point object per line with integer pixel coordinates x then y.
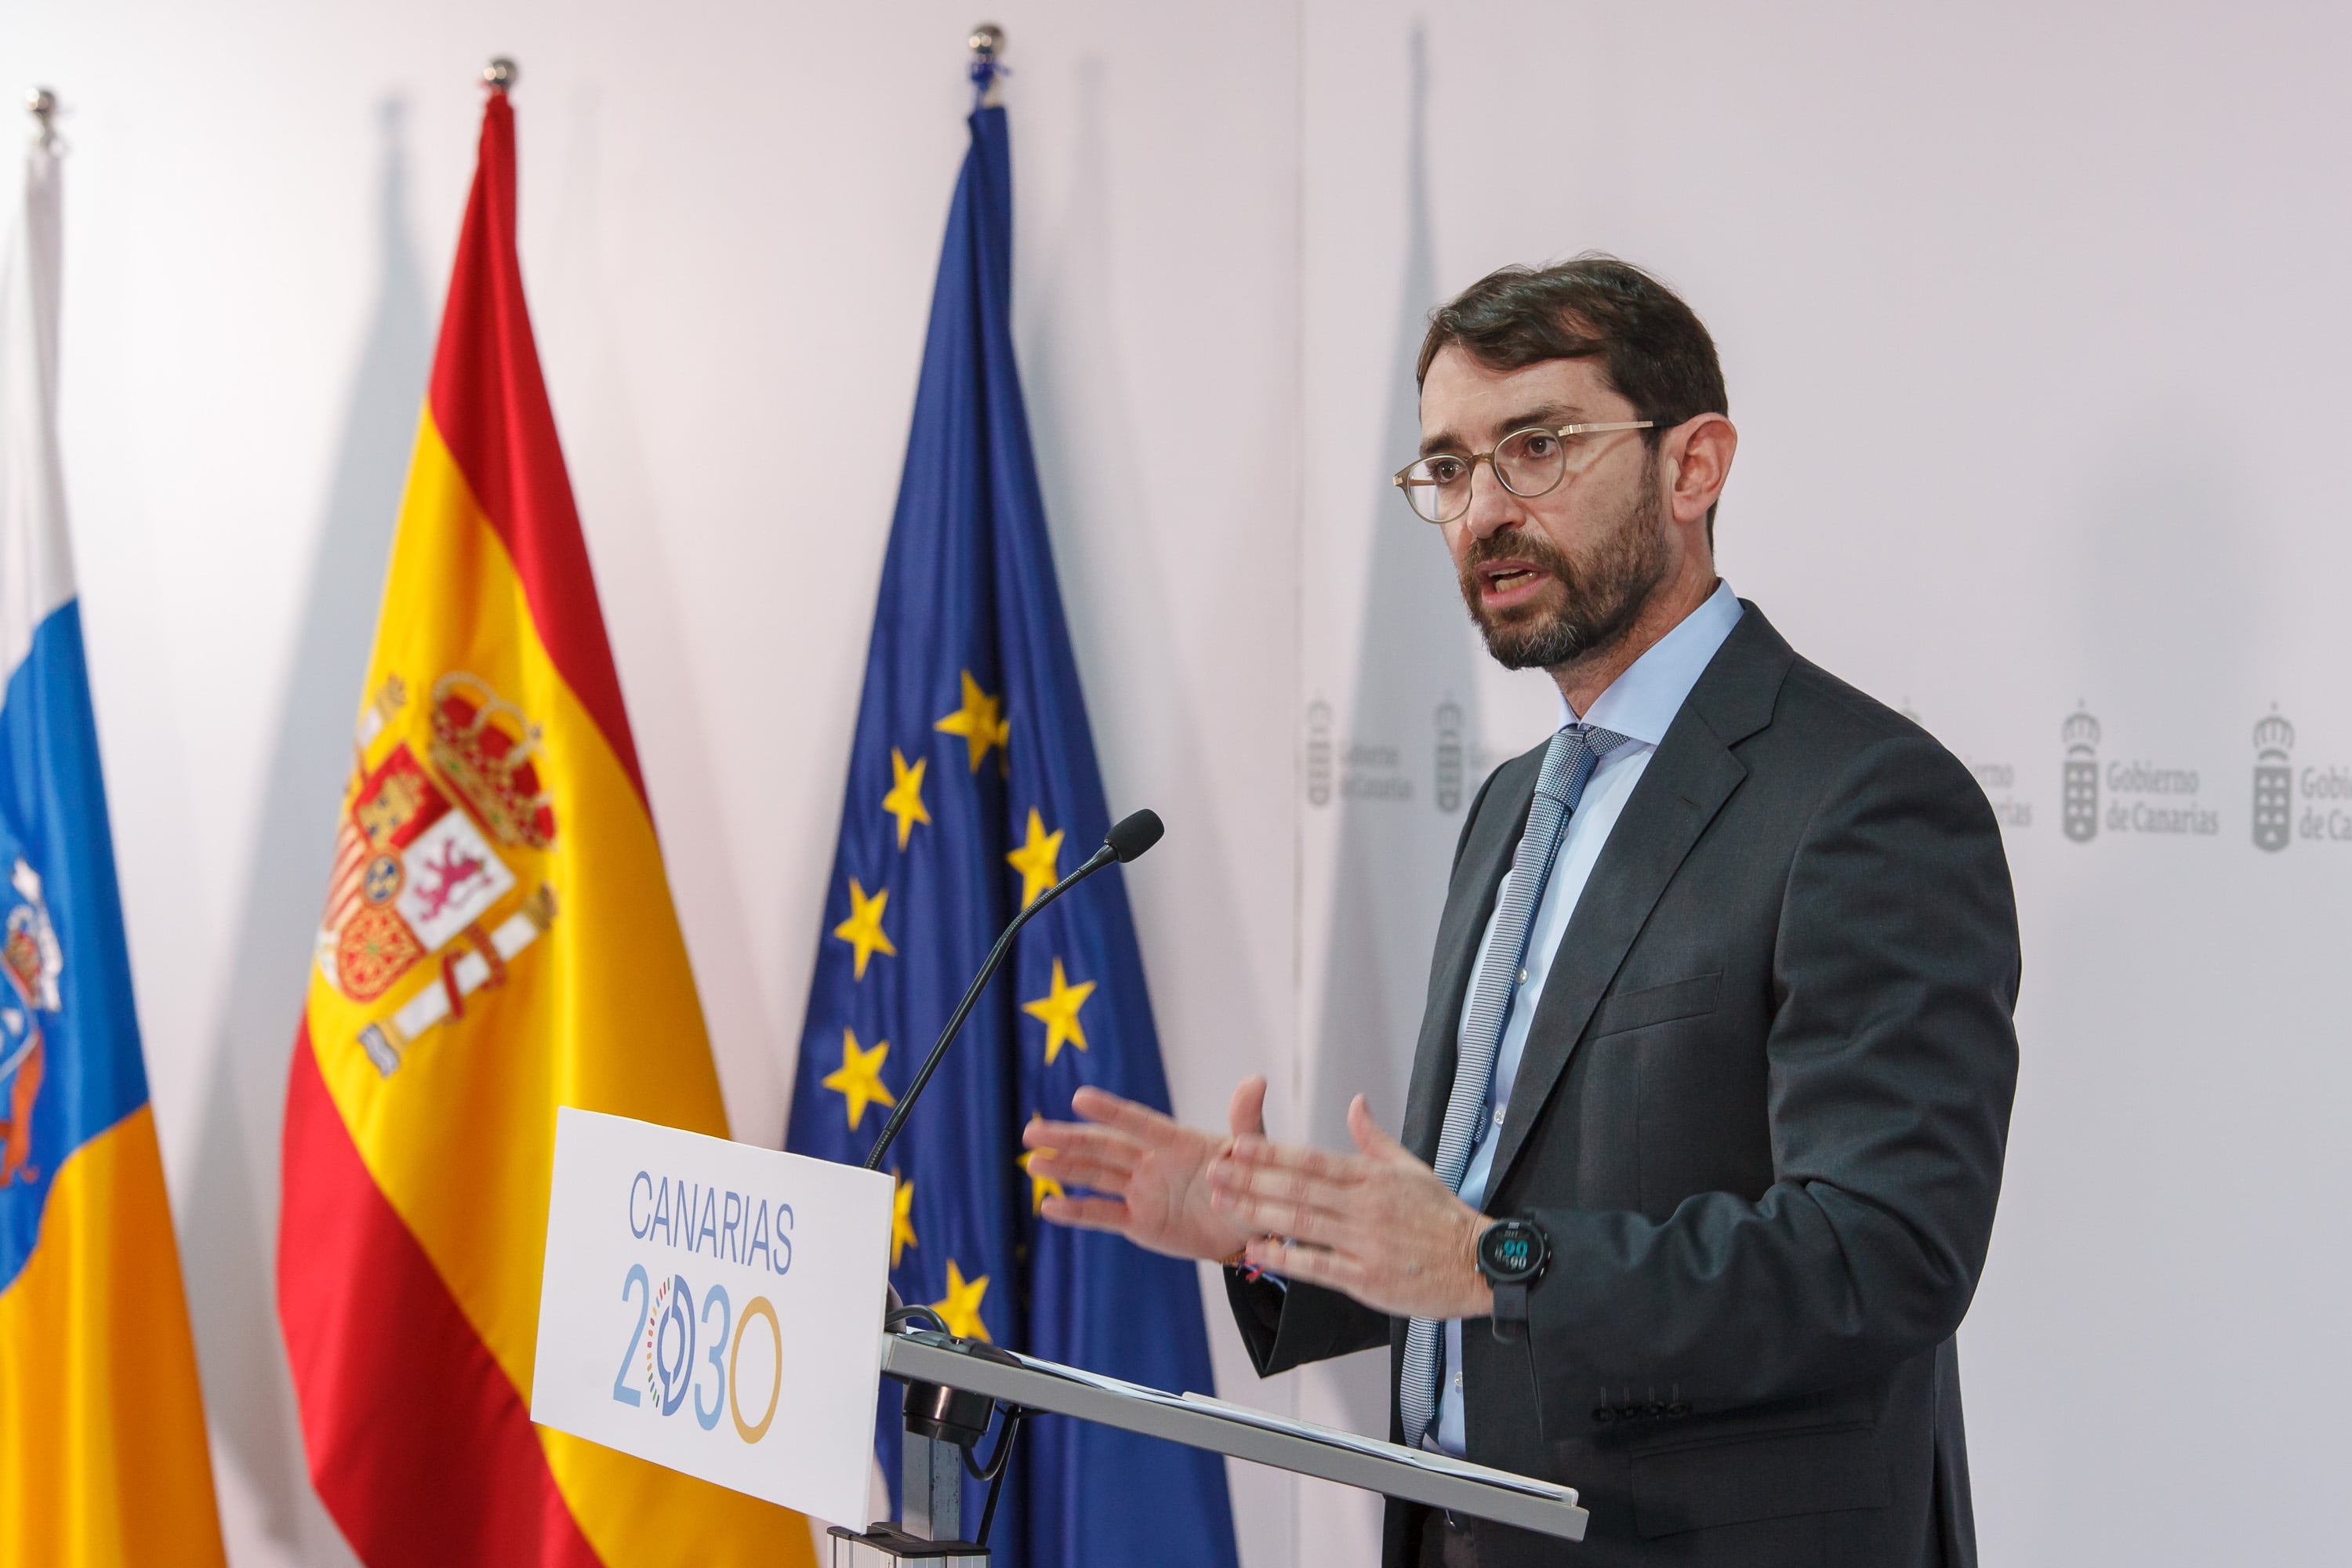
{"type": "Point", "coordinates": [1078, 1137]}
{"type": "Point", "coordinates": [1277, 1217]}
{"type": "Point", "coordinates": [1076, 1171]}
{"type": "Point", "coordinates": [1073, 1172]}
{"type": "Point", "coordinates": [1261, 1152]}
{"type": "Point", "coordinates": [1141, 1121]}
{"type": "Point", "coordinates": [1370, 1137]}
{"type": "Point", "coordinates": [1246, 1114]}
{"type": "Point", "coordinates": [1088, 1214]}
{"type": "Point", "coordinates": [1277, 1184]}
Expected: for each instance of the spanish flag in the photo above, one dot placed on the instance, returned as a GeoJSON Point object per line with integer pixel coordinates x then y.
{"type": "Point", "coordinates": [103, 1456]}
{"type": "Point", "coordinates": [497, 941]}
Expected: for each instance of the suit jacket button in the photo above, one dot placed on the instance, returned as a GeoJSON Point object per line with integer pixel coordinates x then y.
{"type": "Point", "coordinates": [1678, 1409]}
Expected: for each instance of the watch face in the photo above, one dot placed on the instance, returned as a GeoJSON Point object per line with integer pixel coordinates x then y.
{"type": "Point", "coordinates": [1511, 1252]}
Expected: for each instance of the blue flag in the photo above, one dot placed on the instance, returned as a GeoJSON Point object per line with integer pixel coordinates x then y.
{"type": "Point", "coordinates": [972, 785]}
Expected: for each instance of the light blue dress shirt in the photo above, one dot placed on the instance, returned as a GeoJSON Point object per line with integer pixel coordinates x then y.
{"type": "Point", "coordinates": [1639, 704]}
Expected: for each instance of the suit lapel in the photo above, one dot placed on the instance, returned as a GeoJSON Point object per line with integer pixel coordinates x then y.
{"type": "Point", "coordinates": [1686, 784]}
{"type": "Point", "coordinates": [1494, 837]}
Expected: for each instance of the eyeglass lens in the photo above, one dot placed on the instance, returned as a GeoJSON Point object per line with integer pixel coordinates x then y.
{"type": "Point", "coordinates": [1529, 463]}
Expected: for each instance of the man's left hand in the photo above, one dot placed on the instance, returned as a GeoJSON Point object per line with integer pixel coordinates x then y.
{"type": "Point", "coordinates": [1378, 1226]}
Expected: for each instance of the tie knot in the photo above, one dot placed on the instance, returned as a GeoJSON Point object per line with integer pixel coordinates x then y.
{"type": "Point", "coordinates": [1570, 760]}
{"type": "Point", "coordinates": [1597, 740]}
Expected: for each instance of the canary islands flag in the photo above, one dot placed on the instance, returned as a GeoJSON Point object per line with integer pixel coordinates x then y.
{"type": "Point", "coordinates": [497, 941]}
{"type": "Point", "coordinates": [103, 1456]}
{"type": "Point", "coordinates": [973, 786]}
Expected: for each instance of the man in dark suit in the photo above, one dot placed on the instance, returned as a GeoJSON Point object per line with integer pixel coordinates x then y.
{"type": "Point", "coordinates": [1705, 1134]}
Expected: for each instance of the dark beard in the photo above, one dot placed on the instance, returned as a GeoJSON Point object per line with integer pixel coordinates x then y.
{"type": "Point", "coordinates": [1601, 598]}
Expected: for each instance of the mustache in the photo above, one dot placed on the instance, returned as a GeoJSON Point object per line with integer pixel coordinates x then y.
{"type": "Point", "coordinates": [1532, 548]}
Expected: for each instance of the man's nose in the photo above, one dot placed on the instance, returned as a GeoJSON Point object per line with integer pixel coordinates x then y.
{"type": "Point", "coordinates": [1492, 507]}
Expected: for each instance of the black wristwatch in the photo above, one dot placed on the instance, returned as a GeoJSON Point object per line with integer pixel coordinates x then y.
{"type": "Point", "coordinates": [1512, 1255]}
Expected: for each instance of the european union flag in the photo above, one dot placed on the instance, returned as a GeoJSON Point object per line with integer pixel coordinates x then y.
{"type": "Point", "coordinates": [973, 786]}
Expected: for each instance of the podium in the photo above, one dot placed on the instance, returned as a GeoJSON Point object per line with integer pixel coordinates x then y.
{"type": "Point", "coordinates": [712, 1307]}
{"type": "Point", "coordinates": [953, 1385]}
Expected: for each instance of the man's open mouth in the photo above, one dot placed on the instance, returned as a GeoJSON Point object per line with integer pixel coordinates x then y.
{"type": "Point", "coordinates": [1503, 582]}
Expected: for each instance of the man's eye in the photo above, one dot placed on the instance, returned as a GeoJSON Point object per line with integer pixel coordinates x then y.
{"type": "Point", "coordinates": [1541, 444]}
{"type": "Point", "coordinates": [1446, 470]}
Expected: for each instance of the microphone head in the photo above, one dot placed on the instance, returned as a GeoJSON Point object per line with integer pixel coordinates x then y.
{"type": "Point", "coordinates": [1132, 835]}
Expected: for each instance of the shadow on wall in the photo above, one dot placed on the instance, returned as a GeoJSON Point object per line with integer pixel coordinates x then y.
{"type": "Point", "coordinates": [1400, 774]}
{"type": "Point", "coordinates": [229, 1229]}
{"type": "Point", "coordinates": [1082, 424]}
{"type": "Point", "coordinates": [629, 546]}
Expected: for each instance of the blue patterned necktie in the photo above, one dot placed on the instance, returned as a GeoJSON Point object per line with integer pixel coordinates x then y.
{"type": "Point", "coordinates": [1568, 766]}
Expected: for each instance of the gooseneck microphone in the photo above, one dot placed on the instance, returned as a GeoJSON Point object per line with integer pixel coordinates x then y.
{"type": "Point", "coordinates": [1127, 839]}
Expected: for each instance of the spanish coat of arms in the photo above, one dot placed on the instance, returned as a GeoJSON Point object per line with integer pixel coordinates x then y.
{"type": "Point", "coordinates": [421, 874]}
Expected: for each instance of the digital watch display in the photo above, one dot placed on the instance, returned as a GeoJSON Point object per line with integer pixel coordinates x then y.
{"type": "Point", "coordinates": [1512, 1255]}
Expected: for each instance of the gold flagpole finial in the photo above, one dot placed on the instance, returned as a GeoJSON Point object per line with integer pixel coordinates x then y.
{"type": "Point", "coordinates": [42, 105]}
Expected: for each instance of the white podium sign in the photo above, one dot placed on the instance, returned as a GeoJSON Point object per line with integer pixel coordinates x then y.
{"type": "Point", "coordinates": [715, 1308]}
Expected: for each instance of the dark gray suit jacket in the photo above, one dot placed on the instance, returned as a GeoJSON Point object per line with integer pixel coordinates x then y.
{"type": "Point", "coordinates": [1760, 1115]}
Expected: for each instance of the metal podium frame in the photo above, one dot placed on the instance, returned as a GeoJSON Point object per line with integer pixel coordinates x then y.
{"type": "Point", "coordinates": [932, 1469]}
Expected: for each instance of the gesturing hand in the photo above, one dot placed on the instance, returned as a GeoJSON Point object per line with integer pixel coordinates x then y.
{"type": "Point", "coordinates": [1379, 1226]}
{"type": "Point", "coordinates": [1153, 1170]}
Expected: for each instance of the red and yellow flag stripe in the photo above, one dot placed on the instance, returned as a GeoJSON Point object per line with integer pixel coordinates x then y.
{"type": "Point", "coordinates": [497, 785]}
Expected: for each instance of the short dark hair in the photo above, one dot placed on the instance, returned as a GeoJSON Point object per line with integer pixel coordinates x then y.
{"type": "Point", "coordinates": [1653, 348]}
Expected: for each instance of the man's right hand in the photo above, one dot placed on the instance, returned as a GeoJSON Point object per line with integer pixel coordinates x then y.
{"type": "Point", "coordinates": [1151, 1173]}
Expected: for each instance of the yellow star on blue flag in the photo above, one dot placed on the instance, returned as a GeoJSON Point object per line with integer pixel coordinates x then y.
{"type": "Point", "coordinates": [961, 1308]}
{"type": "Point", "coordinates": [1039, 859]}
{"type": "Point", "coordinates": [1058, 1011]}
{"type": "Point", "coordinates": [905, 801]}
{"type": "Point", "coordinates": [858, 1079]}
{"type": "Point", "coordinates": [863, 930]}
{"type": "Point", "coordinates": [977, 721]}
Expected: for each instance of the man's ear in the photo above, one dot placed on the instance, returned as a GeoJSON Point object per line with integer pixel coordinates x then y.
{"type": "Point", "coordinates": [1701, 450]}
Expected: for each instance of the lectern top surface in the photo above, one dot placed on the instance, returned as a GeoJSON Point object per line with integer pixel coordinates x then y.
{"type": "Point", "coordinates": [1198, 1421]}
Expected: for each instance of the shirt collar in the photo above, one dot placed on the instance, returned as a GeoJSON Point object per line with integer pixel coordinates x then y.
{"type": "Point", "coordinates": [1642, 703]}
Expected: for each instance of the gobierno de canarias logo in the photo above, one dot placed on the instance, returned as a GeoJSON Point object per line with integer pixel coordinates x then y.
{"type": "Point", "coordinates": [439, 858]}
{"type": "Point", "coordinates": [2080, 800]}
{"type": "Point", "coordinates": [2274, 783]}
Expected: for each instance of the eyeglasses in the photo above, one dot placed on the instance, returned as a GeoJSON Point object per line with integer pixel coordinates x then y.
{"type": "Point", "coordinates": [1529, 463]}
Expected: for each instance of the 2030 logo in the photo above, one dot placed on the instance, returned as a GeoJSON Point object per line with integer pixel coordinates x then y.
{"type": "Point", "coordinates": [666, 1338]}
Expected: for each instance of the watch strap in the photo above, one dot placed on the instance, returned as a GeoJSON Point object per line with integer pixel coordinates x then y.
{"type": "Point", "coordinates": [1510, 1319]}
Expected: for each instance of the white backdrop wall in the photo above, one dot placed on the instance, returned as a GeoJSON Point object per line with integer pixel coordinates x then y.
{"type": "Point", "coordinates": [2033, 319]}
